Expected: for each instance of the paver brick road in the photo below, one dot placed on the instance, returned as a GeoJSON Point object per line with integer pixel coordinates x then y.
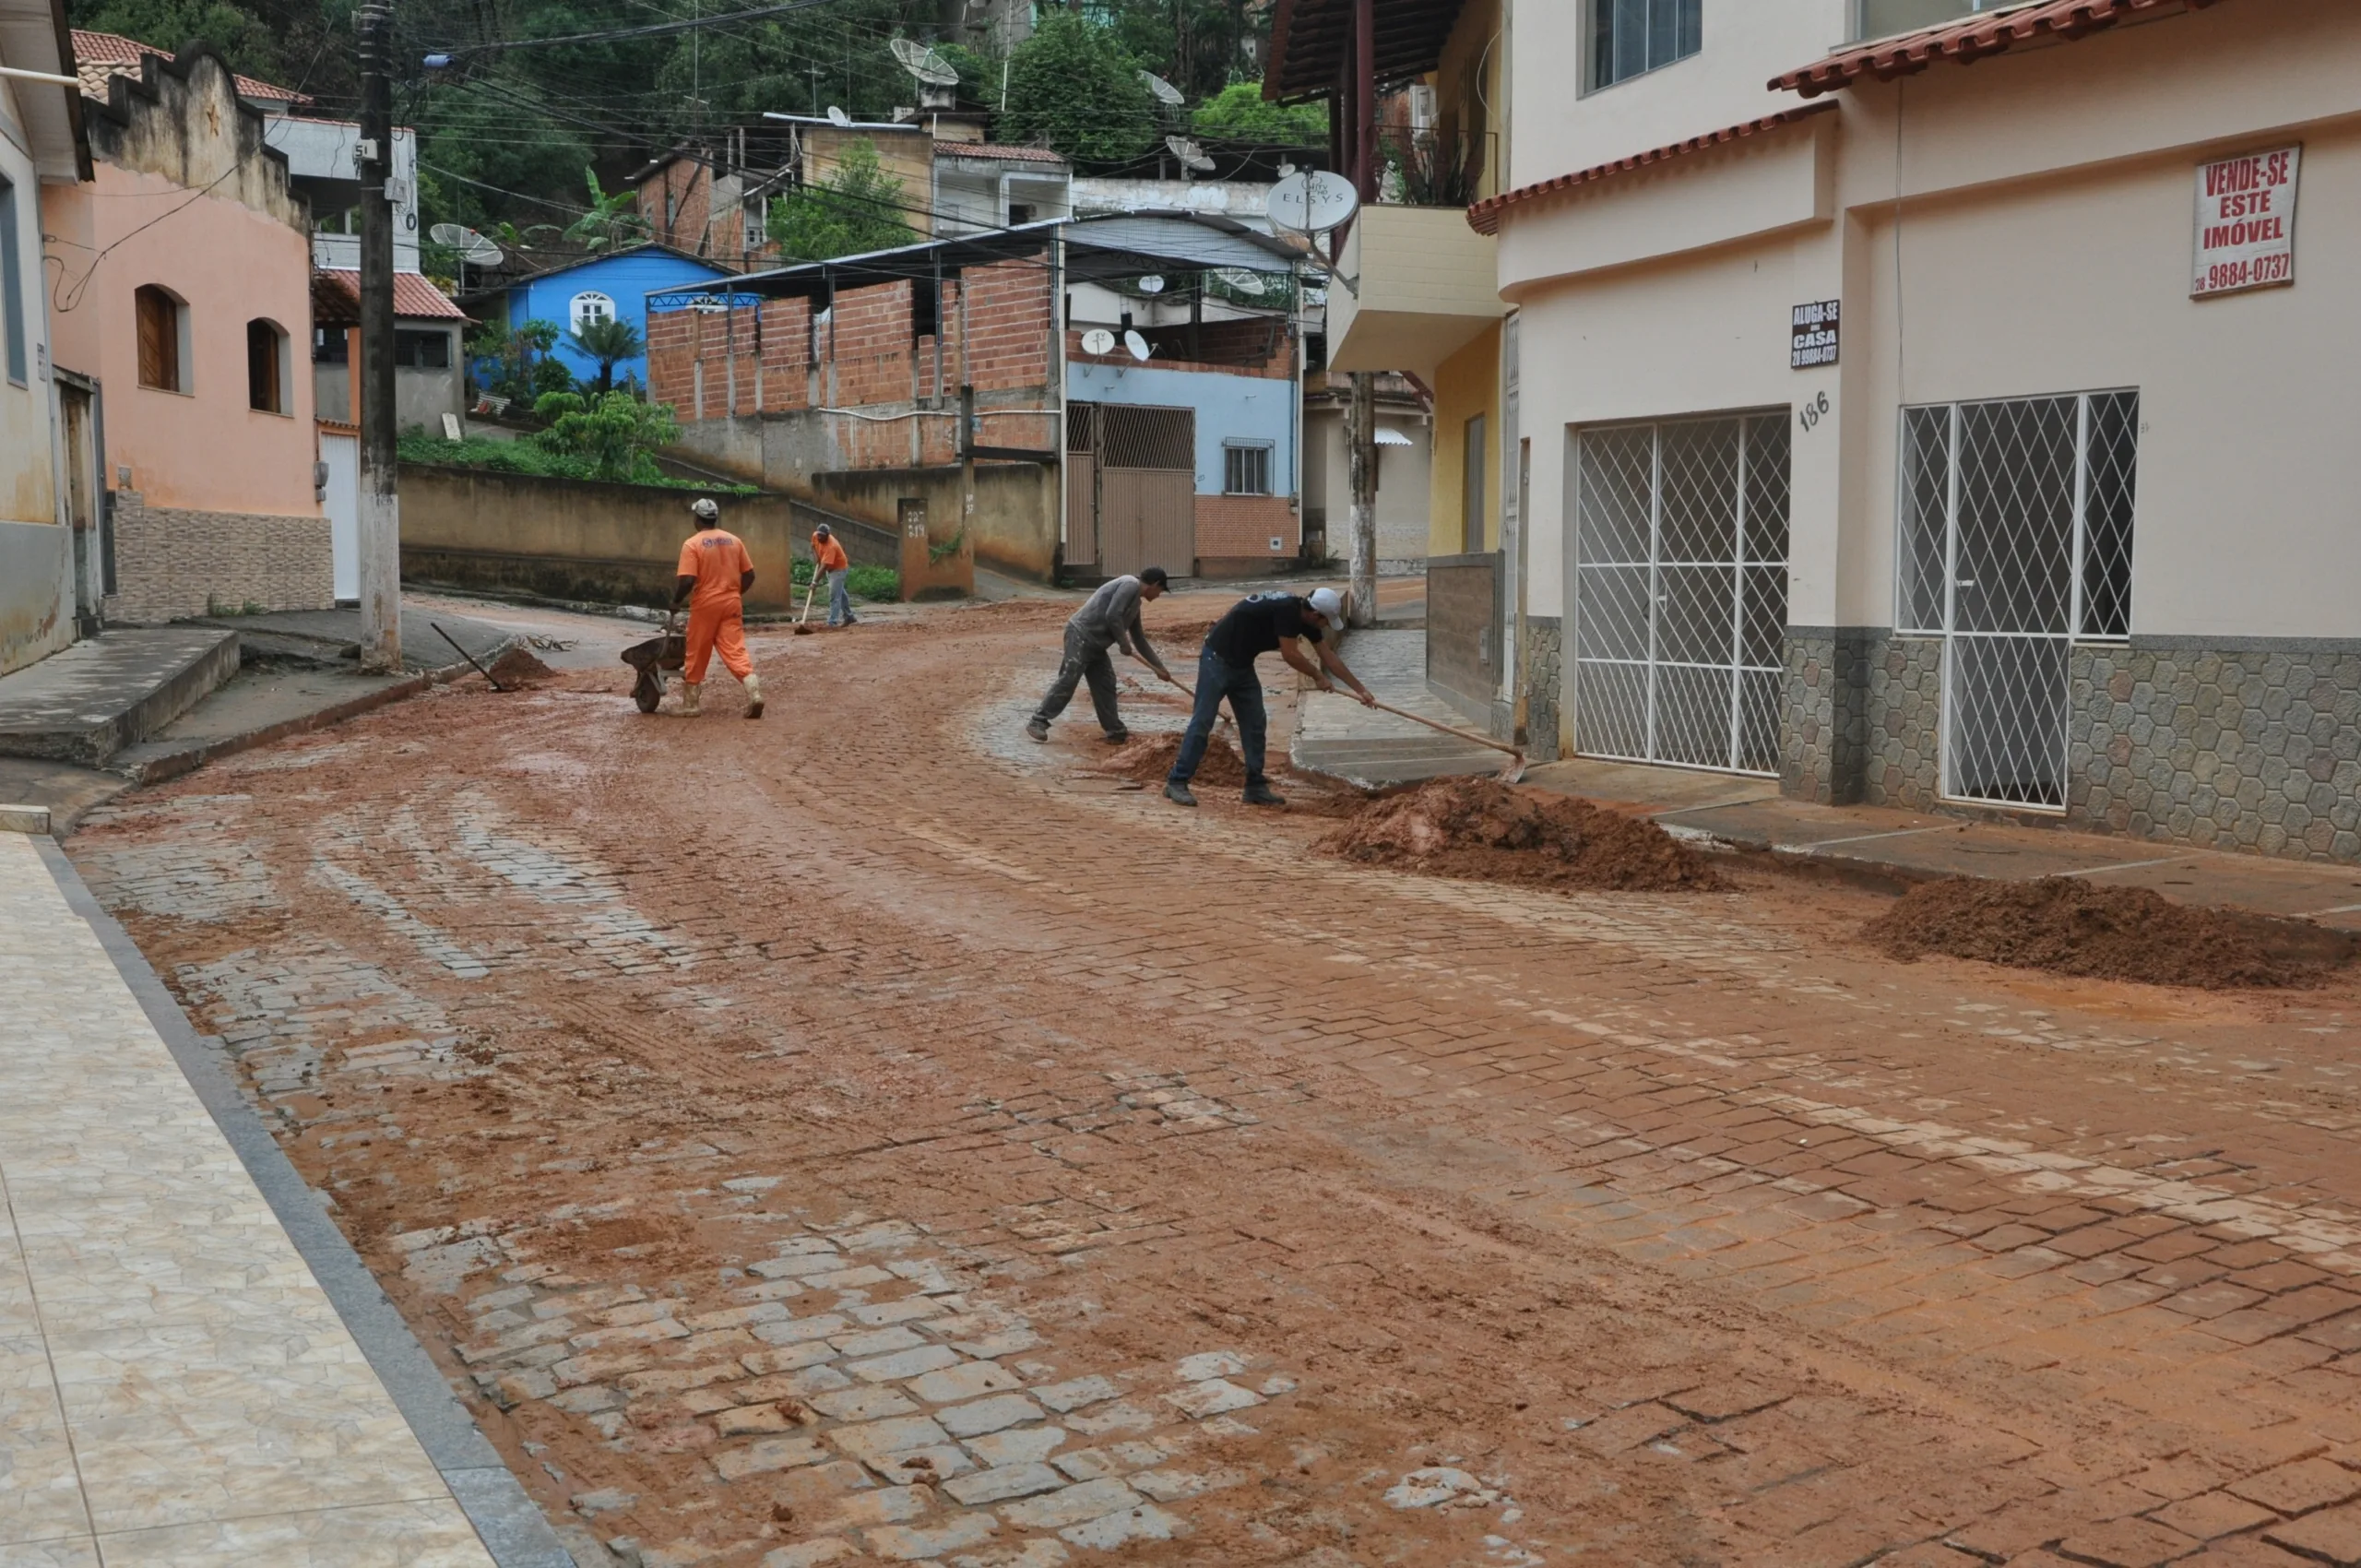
{"type": "Point", "coordinates": [866, 1136]}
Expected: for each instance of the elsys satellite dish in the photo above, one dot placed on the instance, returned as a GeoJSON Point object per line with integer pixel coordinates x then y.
{"type": "Point", "coordinates": [1312, 202]}
{"type": "Point", "coordinates": [1137, 345]}
{"type": "Point", "coordinates": [1098, 340]}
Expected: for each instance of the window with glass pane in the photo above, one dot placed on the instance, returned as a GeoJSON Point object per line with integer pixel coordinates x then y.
{"type": "Point", "coordinates": [1883, 18]}
{"type": "Point", "coordinates": [12, 286]}
{"type": "Point", "coordinates": [1246, 471]}
{"type": "Point", "coordinates": [1629, 37]}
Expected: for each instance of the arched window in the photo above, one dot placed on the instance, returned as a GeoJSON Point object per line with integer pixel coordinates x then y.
{"type": "Point", "coordinates": [589, 306]}
{"type": "Point", "coordinates": [163, 339]}
{"type": "Point", "coordinates": [267, 368]}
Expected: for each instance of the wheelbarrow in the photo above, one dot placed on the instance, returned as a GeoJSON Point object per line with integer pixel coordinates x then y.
{"type": "Point", "coordinates": [668, 650]}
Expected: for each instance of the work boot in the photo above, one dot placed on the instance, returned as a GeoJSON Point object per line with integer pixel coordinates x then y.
{"type": "Point", "coordinates": [754, 697]}
{"type": "Point", "coordinates": [1037, 728]}
{"type": "Point", "coordinates": [1261, 794]}
{"type": "Point", "coordinates": [1178, 794]}
{"type": "Point", "coordinates": [1119, 737]}
{"type": "Point", "coordinates": [692, 695]}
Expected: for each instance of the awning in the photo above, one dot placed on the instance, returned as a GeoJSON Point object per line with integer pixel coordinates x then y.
{"type": "Point", "coordinates": [1309, 39]}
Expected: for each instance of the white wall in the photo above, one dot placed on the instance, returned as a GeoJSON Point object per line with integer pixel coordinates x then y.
{"type": "Point", "coordinates": [35, 549]}
{"type": "Point", "coordinates": [1560, 129]}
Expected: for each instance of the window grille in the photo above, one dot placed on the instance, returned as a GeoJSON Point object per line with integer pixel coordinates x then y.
{"type": "Point", "coordinates": [12, 287]}
{"type": "Point", "coordinates": [1630, 37]}
{"type": "Point", "coordinates": [1246, 471]}
{"type": "Point", "coordinates": [2015, 523]}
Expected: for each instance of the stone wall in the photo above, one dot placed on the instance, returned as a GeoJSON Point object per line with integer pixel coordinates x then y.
{"type": "Point", "coordinates": [1902, 709]}
{"type": "Point", "coordinates": [171, 564]}
{"type": "Point", "coordinates": [1545, 668]}
{"type": "Point", "coordinates": [2255, 748]}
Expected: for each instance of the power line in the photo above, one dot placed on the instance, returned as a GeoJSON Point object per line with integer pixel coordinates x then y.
{"type": "Point", "coordinates": [654, 30]}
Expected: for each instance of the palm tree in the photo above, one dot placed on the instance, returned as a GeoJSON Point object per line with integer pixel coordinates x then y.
{"type": "Point", "coordinates": [612, 222]}
{"type": "Point", "coordinates": [607, 339]}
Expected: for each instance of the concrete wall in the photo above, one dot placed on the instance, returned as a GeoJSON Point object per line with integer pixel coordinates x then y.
{"type": "Point", "coordinates": [1405, 481]}
{"type": "Point", "coordinates": [582, 540]}
{"type": "Point", "coordinates": [1463, 631]}
{"type": "Point", "coordinates": [36, 563]}
{"type": "Point", "coordinates": [1006, 532]}
{"type": "Point", "coordinates": [1467, 385]}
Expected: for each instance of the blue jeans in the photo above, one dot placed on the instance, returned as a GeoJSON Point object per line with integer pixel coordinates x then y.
{"type": "Point", "coordinates": [1243, 687]}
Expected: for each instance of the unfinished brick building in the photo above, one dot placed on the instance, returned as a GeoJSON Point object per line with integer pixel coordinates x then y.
{"type": "Point", "coordinates": [844, 381]}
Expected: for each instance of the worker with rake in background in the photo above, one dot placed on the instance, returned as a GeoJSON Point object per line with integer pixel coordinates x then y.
{"type": "Point", "coordinates": [828, 556]}
{"type": "Point", "coordinates": [1109, 618]}
{"type": "Point", "coordinates": [1255, 626]}
{"type": "Point", "coordinates": [715, 573]}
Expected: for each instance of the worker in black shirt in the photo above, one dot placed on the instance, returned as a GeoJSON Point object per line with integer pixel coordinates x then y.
{"type": "Point", "coordinates": [1226, 669]}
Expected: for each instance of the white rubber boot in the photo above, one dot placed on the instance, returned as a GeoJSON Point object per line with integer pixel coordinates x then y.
{"type": "Point", "coordinates": [754, 697]}
{"type": "Point", "coordinates": [692, 692]}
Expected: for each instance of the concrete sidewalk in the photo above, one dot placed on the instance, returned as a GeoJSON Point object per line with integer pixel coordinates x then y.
{"type": "Point", "coordinates": [1902, 847]}
{"type": "Point", "coordinates": [1335, 735]}
{"type": "Point", "coordinates": [176, 1385]}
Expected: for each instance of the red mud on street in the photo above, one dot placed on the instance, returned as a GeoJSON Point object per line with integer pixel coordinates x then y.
{"type": "Point", "coordinates": [1482, 829]}
{"type": "Point", "coordinates": [865, 1136]}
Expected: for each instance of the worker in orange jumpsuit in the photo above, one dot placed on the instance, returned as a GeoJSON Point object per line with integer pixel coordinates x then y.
{"type": "Point", "coordinates": [715, 574]}
{"type": "Point", "coordinates": [829, 560]}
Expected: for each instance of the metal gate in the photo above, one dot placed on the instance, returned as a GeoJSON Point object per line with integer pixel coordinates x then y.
{"type": "Point", "coordinates": [1680, 591]}
{"type": "Point", "coordinates": [2015, 543]}
{"type": "Point", "coordinates": [1131, 488]}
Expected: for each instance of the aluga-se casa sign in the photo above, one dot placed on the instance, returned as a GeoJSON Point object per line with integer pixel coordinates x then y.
{"type": "Point", "coordinates": [2246, 222]}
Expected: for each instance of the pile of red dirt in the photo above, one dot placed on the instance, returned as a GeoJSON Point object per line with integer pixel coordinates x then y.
{"type": "Point", "coordinates": [517, 667]}
{"type": "Point", "coordinates": [1481, 829]}
{"type": "Point", "coordinates": [1148, 760]}
{"type": "Point", "coordinates": [2068, 926]}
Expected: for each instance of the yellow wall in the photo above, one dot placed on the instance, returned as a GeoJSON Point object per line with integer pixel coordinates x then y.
{"type": "Point", "coordinates": [1467, 385]}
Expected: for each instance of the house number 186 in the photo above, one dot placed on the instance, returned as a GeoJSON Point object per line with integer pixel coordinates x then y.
{"type": "Point", "coordinates": [1814, 412]}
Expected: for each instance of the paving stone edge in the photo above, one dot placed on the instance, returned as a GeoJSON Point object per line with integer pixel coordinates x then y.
{"type": "Point", "coordinates": [512, 1525]}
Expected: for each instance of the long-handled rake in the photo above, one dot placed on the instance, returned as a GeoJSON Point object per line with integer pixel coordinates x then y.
{"type": "Point", "coordinates": [1512, 774]}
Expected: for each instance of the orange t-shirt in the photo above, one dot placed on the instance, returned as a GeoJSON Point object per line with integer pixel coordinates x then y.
{"type": "Point", "coordinates": [718, 560]}
{"type": "Point", "coordinates": [829, 554]}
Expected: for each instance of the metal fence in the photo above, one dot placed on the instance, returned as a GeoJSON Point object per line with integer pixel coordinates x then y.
{"type": "Point", "coordinates": [1682, 592]}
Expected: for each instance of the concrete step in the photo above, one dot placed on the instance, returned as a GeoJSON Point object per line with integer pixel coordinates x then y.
{"type": "Point", "coordinates": [87, 702]}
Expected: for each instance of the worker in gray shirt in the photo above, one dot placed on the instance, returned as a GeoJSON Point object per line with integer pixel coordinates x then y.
{"type": "Point", "coordinates": [1111, 618]}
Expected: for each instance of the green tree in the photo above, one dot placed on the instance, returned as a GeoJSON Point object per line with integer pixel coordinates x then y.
{"type": "Point", "coordinates": [855, 206]}
{"type": "Point", "coordinates": [613, 432]}
{"type": "Point", "coordinates": [614, 221]}
{"type": "Point", "coordinates": [242, 35]}
{"type": "Point", "coordinates": [1239, 113]}
{"type": "Point", "coordinates": [1072, 86]}
{"type": "Point", "coordinates": [607, 339]}
{"type": "Point", "coordinates": [520, 360]}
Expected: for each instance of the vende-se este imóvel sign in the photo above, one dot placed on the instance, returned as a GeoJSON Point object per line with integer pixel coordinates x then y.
{"type": "Point", "coordinates": [2246, 222]}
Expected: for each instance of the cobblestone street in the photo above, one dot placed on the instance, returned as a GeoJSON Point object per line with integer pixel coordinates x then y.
{"type": "Point", "coordinates": [868, 1137]}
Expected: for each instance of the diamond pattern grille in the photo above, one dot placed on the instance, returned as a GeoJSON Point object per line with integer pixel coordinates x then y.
{"type": "Point", "coordinates": [2015, 532]}
{"type": "Point", "coordinates": [1682, 592]}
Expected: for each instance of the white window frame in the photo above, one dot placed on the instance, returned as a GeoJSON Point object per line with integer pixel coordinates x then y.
{"type": "Point", "coordinates": [1266, 449]}
{"type": "Point", "coordinates": [574, 307]}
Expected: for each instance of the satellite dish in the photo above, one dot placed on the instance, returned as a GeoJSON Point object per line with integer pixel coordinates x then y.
{"type": "Point", "coordinates": [483, 253]}
{"type": "Point", "coordinates": [925, 64]}
{"type": "Point", "coordinates": [837, 116]}
{"type": "Point", "coordinates": [458, 236]}
{"type": "Point", "coordinates": [1152, 284]}
{"type": "Point", "coordinates": [1190, 155]}
{"type": "Point", "coordinates": [1285, 170]}
{"type": "Point", "coordinates": [1137, 345]}
{"type": "Point", "coordinates": [1164, 91]}
{"type": "Point", "coordinates": [1238, 277]}
{"type": "Point", "coordinates": [1313, 202]}
{"type": "Point", "coordinates": [1098, 340]}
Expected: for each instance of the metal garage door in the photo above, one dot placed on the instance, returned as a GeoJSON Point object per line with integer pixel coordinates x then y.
{"type": "Point", "coordinates": [1131, 488]}
{"type": "Point", "coordinates": [1682, 592]}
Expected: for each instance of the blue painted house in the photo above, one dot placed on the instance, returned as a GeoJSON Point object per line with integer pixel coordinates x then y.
{"type": "Point", "coordinates": [616, 284]}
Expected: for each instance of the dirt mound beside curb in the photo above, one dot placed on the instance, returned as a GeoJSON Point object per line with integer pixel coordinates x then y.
{"type": "Point", "coordinates": [1481, 829]}
{"type": "Point", "coordinates": [517, 667]}
{"type": "Point", "coordinates": [2068, 926]}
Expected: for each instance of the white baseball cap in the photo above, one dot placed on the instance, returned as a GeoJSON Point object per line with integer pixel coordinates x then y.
{"type": "Point", "coordinates": [1331, 605]}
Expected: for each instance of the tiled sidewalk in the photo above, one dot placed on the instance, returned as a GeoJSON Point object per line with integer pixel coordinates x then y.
{"type": "Point", "coordinates": [175, 1387]}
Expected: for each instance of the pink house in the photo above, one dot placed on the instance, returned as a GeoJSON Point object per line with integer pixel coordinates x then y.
{"type": "Point", "coordinates": [181, 281]}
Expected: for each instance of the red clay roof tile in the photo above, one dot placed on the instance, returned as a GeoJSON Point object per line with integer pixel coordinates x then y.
{"type": "Point", "coordinates": [1484, 216]}
{"type": "Point", "coordinates": [1969, 40]}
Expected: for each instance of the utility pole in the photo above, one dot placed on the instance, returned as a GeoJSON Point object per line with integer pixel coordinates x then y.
{"type": "Point", "coordinates": [380, 518]}
{"type": "Point", "coordinates": [1361, 427]}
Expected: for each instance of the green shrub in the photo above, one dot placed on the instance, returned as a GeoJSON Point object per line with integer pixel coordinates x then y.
{"type": "Point", "coordinates": [879, 585]}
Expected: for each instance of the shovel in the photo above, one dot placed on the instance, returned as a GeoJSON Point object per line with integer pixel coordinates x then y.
{"type": "Point", "coordinates": [802, 621]}
{"type": "Point", "coordinates": [1512, 774]}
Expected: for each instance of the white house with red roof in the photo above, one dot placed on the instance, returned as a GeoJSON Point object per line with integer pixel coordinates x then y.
{"type": "Point", "coordinates": [1958, 419]}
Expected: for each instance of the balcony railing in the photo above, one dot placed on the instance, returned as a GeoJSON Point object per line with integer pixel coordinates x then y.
{"type": "Point", "coordinates": [1430, 168]}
